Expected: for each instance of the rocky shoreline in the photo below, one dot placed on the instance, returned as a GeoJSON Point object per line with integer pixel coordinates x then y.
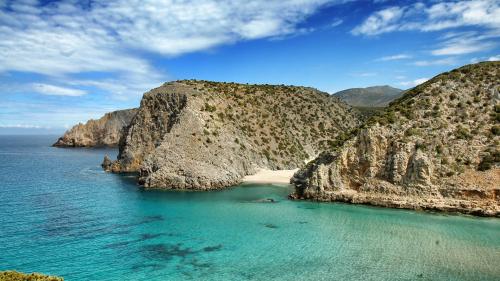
{"type": "Point", "coordinates": [106, 131]}
{"type": "Point", "coordinates": [435, 148]}
{"type": "Point", "coordinates": [468, 207]}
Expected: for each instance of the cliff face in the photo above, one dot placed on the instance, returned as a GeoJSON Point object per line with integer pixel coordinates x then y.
{"type": "Point", "coordinates": [437, 147]}
{"type": "Point", "coordinates": [377, 96]}
{"type": "Point", "coordinates": [207, 135]}
{"type": "Point", "coordinates": [105, 131]}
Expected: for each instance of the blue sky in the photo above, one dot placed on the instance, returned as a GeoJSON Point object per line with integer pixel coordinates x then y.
{"type": "Point", "coordinates": [63, 62]}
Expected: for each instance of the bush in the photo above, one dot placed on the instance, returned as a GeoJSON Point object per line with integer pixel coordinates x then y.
{"type": "Point", "coordinates": [209, 108]}
{"type": "Point", "coordinates": [495, 130]}
{"type": "Point", "coordinates": [486, 163]}
{"type": "Point", "coordinates": [462, 133]}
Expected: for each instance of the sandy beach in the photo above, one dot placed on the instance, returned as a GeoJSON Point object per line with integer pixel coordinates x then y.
{"type": "Point", "coordinates": [270, 176]}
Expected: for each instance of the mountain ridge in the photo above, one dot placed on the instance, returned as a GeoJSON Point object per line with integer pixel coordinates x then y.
{"type": "Point", "coordinates": [374, 96]}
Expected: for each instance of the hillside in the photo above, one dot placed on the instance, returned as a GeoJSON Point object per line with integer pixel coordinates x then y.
{"type": "Point", "coordinates": [437, 147]}
{"type": "Point", "coordinates": [105, 131]}
{"type": "Point", "coordinates": [207, 135]}
{"type": "Point", "coordinates": [376, 96]}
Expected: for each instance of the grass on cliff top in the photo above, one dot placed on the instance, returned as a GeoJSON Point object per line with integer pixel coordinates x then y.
{"type": "Point", "coordinates": [19, 276]}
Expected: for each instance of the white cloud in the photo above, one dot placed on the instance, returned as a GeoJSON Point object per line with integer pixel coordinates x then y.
{"type": "Point", "coordinates": [336, 23]}
{"type": "Point", "coordinates": [445, 61]}
{"type": "Point", "coordinates": [413, 83]}
{"type": "Point", "coordinates": [494, 58]}
{"type": "Point", "coordinates": [71, 37]}
{"type": "Point", "coordinates": [461, 43]}
{"type": "Point", "coordinates": [364, 74]}
{"type": "Point", "coordinates": [485, 13]}
{"type": "Point", "coordinates": [51, 90]}
{"type": "Point", "coordinates": [394, 57]}
{"type": "Point", "coordinates": [380, 22]}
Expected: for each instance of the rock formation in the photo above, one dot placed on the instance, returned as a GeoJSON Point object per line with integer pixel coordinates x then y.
{"type": "Point", "coordinates": [376, 96]}
{"type": "Point", "coordinates": [105, 131]}
{"type": "Point", "coordinates": [207, 135]}
{"type": "Point", "coordinates": [437, 147]}
{"type": "Point", "coordinates": [18, 276]}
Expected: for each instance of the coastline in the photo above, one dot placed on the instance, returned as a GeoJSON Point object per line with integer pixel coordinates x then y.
{"type": "Point", "coordinates": [265, 176]}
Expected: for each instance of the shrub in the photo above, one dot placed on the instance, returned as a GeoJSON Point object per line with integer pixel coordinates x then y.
{"type": "Point", "coordinates": [209, 108]}
{"type": "Point", "coordinates": [486, 163]}
{"type": "Point", "coordinates": [495, 130]}
{"type": "Point", "coordinates": [462, 133]}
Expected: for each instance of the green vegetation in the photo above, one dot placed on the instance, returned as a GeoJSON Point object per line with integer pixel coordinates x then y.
{"type": "Point", "coordinates": [18, 276]}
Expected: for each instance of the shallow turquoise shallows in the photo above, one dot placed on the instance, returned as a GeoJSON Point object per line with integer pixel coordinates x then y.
{"type": "Point", "coordinates": [61, 214]}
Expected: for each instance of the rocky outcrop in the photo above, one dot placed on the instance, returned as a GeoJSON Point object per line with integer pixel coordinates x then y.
{"type": "Point", "coordinates": [105, 131]}
{"type": "Point", "coordinates": [376, 96]}
{"type": "Point", "coordinates": [18, 276]}
{"type": "Point", "coordinates": [205, 135]}
{"type": "Point", "coordinates": [436, 148]}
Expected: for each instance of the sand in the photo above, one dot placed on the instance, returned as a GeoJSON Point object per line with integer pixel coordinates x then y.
{"type": "Point", "coordinates": [269, 176]}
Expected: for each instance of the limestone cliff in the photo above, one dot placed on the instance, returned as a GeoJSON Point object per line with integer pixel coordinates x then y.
{"type": "Point", "coordinates": [208, 135]}
{"type": "Point", "coordinates": [105, 131]}
{"type": "Point", "coordinates": [436, 147]}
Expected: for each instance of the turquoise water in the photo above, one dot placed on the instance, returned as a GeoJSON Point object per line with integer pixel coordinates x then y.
{"type": "Point", "coordinates": [61, 214]}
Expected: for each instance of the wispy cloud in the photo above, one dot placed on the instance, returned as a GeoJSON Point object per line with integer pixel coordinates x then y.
{"type": "Point", "coordinates": [394, 57]}
{"type": "Point", "coordinates": [51, 90]}
{"type": "Point", "coordinates": [445, 61]}
{"type": "Point", "coordinates": [439, 16]}
{"type": "Point", "coordinates": [336, 23]}
{"type": "Point", "coordinates": [466, 43]}
{"type": "Point", "coordinates": [63, 38]}
{"type": "Point", "coordinates": [364, 74]}
{"type": "Point", "coordinates": [413, 82]}
{"type": "Point", "coordinates": [494, 58]}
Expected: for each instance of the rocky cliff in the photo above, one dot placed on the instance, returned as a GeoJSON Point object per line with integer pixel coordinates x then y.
{"type": "Point", "coordinates": [437, 147]}
{"type": "Point", "coordinates": [207, 135]}
{"type": "Point", "coordinates": [105, 131]}
{"type": "Point", "coordinates": [376, 96]}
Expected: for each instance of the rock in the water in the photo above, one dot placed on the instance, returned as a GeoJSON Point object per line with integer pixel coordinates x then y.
{"type": "Point", "coordinates": [106, 163]}
{"type": "Point", "coordinates": [207, 135]}
{"type": "Point", "coordinates": [425, 151]}
{"type": "Point", "coordinates": [105, 131]}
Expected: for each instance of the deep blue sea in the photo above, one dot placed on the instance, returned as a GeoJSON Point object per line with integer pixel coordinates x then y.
{"type": "Point", "coordinates": [61, 214]}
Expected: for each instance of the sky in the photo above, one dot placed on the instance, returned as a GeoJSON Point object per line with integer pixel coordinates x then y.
{"type": "Point", "coordinates": [64, 62]}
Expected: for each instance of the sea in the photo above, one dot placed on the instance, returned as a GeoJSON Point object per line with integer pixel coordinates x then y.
{"type": "Point", "coordinates": [61, 214]}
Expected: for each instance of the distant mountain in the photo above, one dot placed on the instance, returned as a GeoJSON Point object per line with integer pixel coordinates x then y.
{"type": "Point", "coordinates": [376, 96]}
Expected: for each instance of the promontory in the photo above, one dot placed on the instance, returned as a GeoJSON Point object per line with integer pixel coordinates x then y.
{"type": "Point", "coordinates": [437, 147]}
{"type": "Point", "coordinates": [207, 135]}
{"type": "Point", "coordinates": [105, 131]}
